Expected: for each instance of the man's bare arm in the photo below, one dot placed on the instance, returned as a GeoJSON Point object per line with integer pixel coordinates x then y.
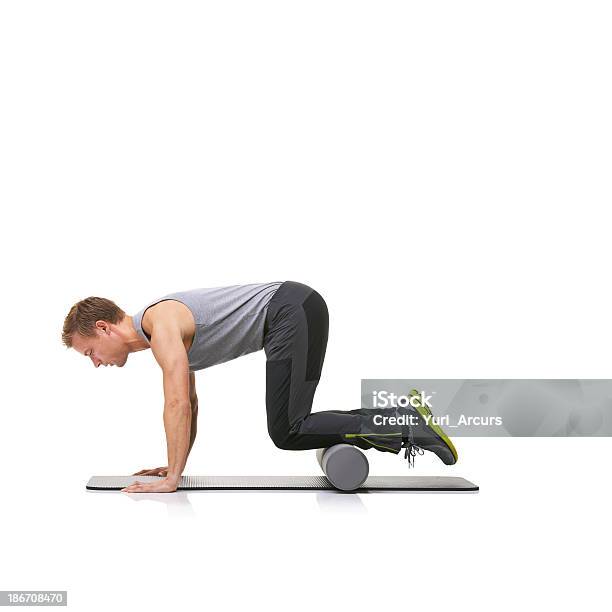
{"type": "Point", "coordinates": [193, 399]}
{"type": "Point", "coordinates": [169, 351]}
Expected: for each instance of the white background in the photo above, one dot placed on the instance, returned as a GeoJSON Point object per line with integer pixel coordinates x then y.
{"type": "Point", "coordinates": [438, 171]}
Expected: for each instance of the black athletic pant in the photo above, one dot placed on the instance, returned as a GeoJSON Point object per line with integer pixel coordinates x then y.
{"type": "Point", "coordinates": [295, 339]}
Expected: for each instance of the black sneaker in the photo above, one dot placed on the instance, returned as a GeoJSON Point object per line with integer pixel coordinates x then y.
{"type": "Point", "coordinates": [425, 435]}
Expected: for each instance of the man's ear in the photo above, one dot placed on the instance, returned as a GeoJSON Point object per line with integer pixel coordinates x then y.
{"type": "Point", "coordinates": [103, 326]}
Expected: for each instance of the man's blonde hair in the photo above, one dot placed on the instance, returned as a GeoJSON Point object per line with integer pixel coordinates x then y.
{"type": "Point", "coordinates": [83, 316]}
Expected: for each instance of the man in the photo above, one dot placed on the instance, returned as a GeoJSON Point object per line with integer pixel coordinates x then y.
{"type": "Point", "coordinates": [191, 330]}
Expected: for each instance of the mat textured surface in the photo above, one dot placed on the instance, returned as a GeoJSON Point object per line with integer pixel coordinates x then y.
{"type": "Point", "coordinates": [373, 483]}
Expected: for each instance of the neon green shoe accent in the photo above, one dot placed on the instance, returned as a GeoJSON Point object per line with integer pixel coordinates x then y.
{"type": "Point", "coordinates": [371, 434]}
{"type": "Point", "coordinates": [393, 450]}
{"type": "Point", "coordinates": [425, 411]}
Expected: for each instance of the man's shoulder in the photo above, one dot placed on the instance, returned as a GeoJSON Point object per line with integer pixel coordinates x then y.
{"type": "Point", "coordinates": [170, 311]}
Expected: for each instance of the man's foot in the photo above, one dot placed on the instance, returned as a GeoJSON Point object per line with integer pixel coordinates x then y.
{"type": "Point", "coordinates": [426, 435]}
{"type": "Point", "coordinates": [418, 434]}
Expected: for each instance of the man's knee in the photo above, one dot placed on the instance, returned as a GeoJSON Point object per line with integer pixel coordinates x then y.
{"type": "Point", "coordinates": [284, 435]}
{"type": "Point", "coordinates": [282, 439]}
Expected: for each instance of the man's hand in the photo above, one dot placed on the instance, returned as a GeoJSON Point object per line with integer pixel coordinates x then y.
{"type": "Point", "coordinates": [167, 485]}
{"type": "Point", "coordinates": [160, 471]}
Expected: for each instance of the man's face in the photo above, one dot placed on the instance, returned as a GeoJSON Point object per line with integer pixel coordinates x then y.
{"type": "Point", "coordinates": [106, 347]}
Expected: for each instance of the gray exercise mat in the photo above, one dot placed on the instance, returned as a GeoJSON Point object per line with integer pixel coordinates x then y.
{"type": "Point", "coordinates": [373, 483]}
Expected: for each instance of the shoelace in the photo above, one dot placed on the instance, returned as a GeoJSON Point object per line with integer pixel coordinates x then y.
{"type": "Point", "coordinates": [412, 450]}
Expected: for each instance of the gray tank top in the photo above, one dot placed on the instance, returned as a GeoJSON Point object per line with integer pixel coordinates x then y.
{"type": "Point", "coordinates": [229, 321]}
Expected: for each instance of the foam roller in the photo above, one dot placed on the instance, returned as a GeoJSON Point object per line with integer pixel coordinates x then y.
{"type": "Point", "coordinates": [345, 466]}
